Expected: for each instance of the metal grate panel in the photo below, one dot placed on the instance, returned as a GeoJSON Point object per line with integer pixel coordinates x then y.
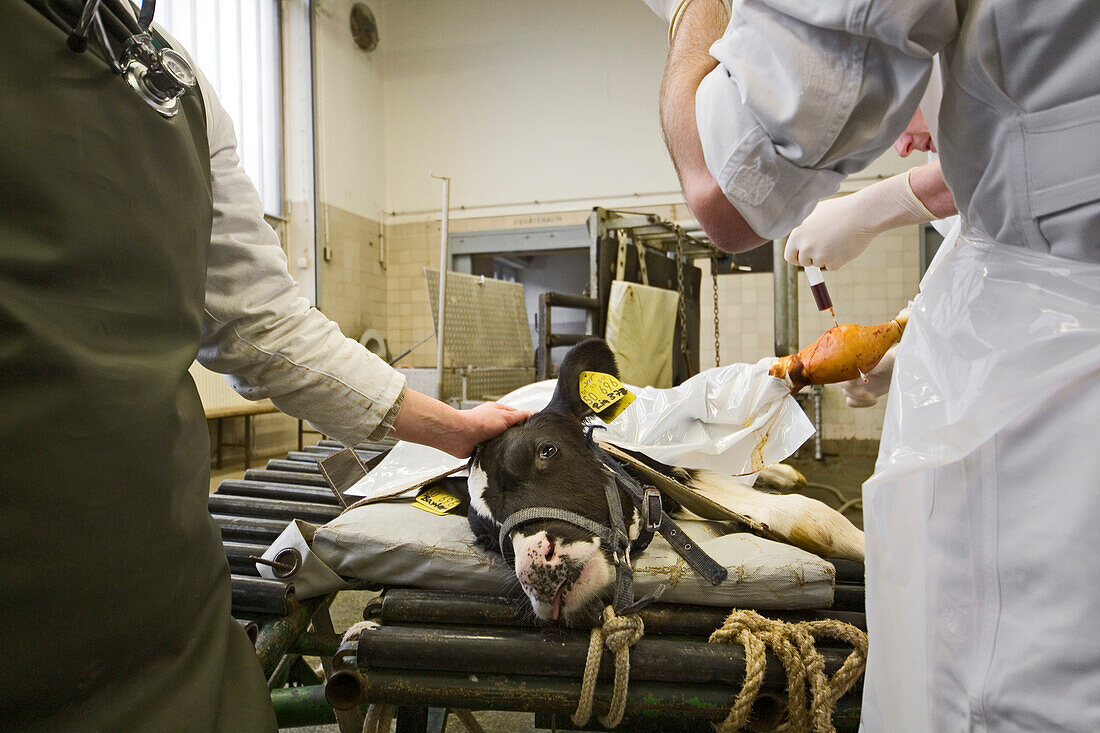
{"type": "Point", "coordinates": [488, 383]}
{"type": "Point", "coordinates": [486, 324]}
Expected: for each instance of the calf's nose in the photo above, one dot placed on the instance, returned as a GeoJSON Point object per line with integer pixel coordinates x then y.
{"type": "Point", "coordinates": [540, 555]}
{"type": "Point", "coordinates": [542, 548]}
{"type": "Point", "coordinates": [548, 547]}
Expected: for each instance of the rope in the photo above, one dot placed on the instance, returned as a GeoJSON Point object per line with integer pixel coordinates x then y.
{"type": "Point", "coordinates": [794, 645]}
{"type": "Point", "coordinates": [714, 289]}
{"type": "Point", "coordinates": [618, 634]}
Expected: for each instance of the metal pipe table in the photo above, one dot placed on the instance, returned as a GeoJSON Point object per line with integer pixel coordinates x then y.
{"type": "Point", "coordinates": [437, 650]}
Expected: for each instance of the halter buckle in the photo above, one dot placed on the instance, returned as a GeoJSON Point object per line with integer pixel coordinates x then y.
{"type": "Point", "coordinates": [652, 508]}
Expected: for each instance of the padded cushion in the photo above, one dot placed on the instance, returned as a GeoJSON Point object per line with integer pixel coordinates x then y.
{"type": "Point", "coordinates": [394, 544]}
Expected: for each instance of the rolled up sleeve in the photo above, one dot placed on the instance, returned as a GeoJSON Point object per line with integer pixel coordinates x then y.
{"type": "Point", "coordinates": [807, 93]}
{"type": "Point", "coordinates": [262, 333]}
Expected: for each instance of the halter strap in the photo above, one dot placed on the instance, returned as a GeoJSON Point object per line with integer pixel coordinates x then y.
{"type": "Point", "coordinates": [616, 538]}
{"type": "Point", "coordinates": [699, 561]}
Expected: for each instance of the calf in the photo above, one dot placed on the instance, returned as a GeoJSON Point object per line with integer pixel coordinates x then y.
{"type": "Point", "coordinates": [550, 461]}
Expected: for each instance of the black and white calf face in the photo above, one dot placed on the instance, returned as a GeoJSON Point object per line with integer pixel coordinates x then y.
{"type": "Point", "coordinates": [547, 461]}
{"type": "Point", "coordinates": [567, 573]}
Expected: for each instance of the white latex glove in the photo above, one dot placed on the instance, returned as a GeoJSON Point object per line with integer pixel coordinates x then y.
{"type": "Point", "coordinates": [858, 393]}
{"type": "Point", "coordinates": [839, 229]}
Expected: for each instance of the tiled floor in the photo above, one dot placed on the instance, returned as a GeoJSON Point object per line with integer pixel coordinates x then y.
{"type": "Point", "coordinates": [217, 475]}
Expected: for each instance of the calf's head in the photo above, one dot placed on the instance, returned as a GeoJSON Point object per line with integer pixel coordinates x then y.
{"type": "Point", "coordinates": [568, 573]}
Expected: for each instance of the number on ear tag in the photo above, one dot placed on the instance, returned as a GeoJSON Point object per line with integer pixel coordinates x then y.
{"type": "Point", "coordinates": [437, 501]}
{"type": "Point", "coordinates": [605, 394]}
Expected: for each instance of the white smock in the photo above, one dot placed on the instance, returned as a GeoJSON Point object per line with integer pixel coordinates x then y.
{"type": "Point", "coordinates": [259, 330]}
{"type": "Point", "coordinates": [949, 227]}
{"type": "Point", "coordinates": [982, 554]}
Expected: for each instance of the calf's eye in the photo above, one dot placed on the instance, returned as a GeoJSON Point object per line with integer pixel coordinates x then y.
{"type": "Point", "coordinates": [547, 451]}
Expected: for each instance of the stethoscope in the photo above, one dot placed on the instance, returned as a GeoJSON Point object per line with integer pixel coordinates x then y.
{"type": "Point", "coordinates": [160, 76]}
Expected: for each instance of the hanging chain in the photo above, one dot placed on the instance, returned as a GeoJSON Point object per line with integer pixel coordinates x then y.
{"type": "Point", "coordinates": [714, 284]}
{"type": "Point", "coordinates": [680, 291]}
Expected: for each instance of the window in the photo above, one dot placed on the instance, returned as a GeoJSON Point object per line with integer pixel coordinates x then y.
{"type": "Point", "coordinates": [236, 44]}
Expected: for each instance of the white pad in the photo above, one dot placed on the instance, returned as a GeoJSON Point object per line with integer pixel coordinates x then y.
{"type": "Point", "coordinates": [641, 321]}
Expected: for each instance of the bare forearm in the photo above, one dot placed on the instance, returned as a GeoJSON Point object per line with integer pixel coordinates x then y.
{"type": "Point", "coordinates": [688, 63]}
{"type": "Point", "coordinates": [929, 186]}
{"type": "Point", "coordinates": [425, 420]}
{"type": "Point", "coordinates": [428, 421]}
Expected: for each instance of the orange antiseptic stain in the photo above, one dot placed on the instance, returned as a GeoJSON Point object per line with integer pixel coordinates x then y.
{"type": "Point", "coordinates": [758, 453]}
{"type": "Point", "coordinates": [841, 353]}
{"type": "Point", "coordinates": [756, 460]}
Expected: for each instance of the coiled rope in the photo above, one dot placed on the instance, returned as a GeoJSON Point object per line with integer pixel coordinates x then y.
{"type": "Point", "coordinates": [793, 643]}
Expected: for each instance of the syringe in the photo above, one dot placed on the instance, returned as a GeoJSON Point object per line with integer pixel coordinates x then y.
{"type": "Point", "coordinates": [820, 293]}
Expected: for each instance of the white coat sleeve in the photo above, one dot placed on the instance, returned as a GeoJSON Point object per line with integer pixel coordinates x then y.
{"type": "Point", "coordinates": [806, 93]}
{"type": "Point", "coordinates": [259, 330]}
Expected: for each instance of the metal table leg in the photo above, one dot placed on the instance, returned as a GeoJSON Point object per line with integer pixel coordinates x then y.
{"type": "Point", "coordinates": [412, 719]}
{"type": "Point", "coordinates": [350, 721]}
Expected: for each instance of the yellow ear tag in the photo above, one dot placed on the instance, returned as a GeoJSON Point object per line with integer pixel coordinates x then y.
{"type": "Point", "coordinates": [605, 394]}
{"type": "Point", "coordinates": [437, 501]}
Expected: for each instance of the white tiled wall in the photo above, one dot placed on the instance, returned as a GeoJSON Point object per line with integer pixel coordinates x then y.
{"type": "Point", "coordinates": [409, 249]}
{"type": "Point", "coordinates": [412, 246]}
{"type": "Point", "coordinates": [353, 281]}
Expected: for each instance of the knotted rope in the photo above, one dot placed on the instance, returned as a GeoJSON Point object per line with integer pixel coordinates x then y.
{"type": "Point", "coordinates": [794, 645]}
{"type": "Point", "coordinates": [618, 634]}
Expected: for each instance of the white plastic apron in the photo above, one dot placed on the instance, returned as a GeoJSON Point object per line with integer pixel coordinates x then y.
{"type": "Point", "coordinates": [983, 551]}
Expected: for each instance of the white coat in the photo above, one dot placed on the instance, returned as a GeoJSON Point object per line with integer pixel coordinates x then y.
{"type": "Point", "coordinates": [258, 326]}
{"type": "Point", "coordinates": [983, 570]}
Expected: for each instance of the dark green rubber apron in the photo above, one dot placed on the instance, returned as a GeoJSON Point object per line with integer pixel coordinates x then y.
{"type": "Point", "coordinates": [114, 591]}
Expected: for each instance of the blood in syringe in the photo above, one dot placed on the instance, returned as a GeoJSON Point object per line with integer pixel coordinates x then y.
{"type": "Point", "coordinates": [821, 296]}
{"type": "Point", "coordinates": [820, 293]}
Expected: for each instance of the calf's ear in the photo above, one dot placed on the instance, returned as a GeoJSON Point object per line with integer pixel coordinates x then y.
{"type": "Point", "coordinates": [590, 355]}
